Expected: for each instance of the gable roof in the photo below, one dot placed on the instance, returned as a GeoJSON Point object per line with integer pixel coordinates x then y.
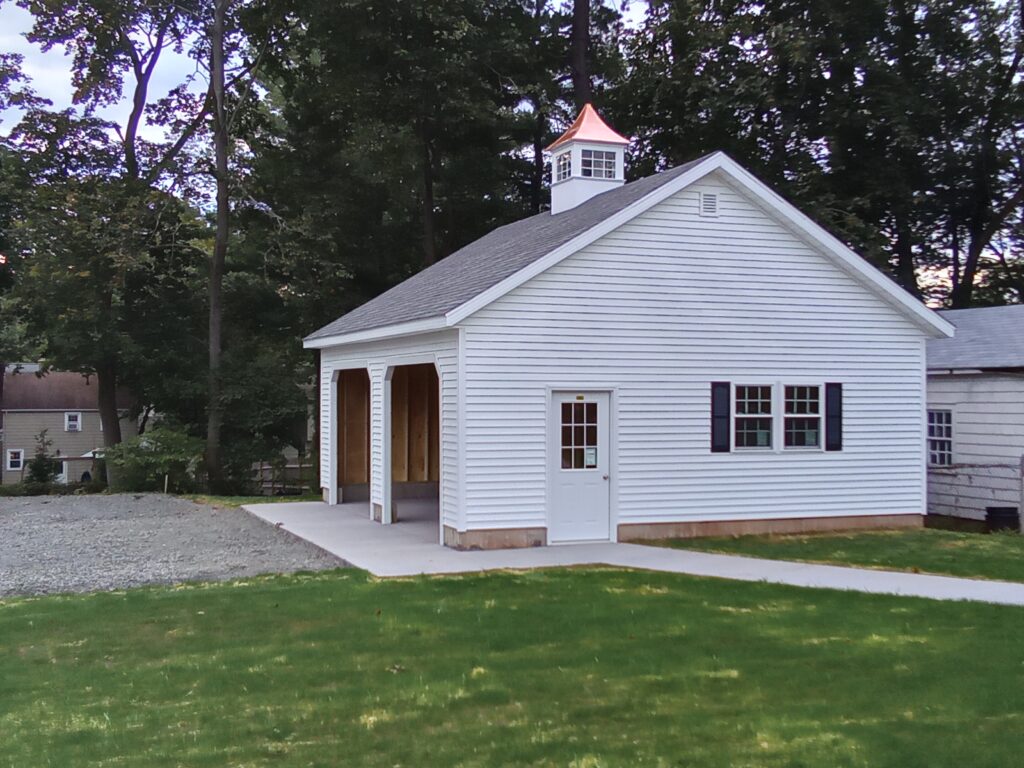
{"type": "Point", "coordinates": [54, 391]}
{"type": "Point", "coordinates": [469, 271]}
{"type": "Point", "coordinates": [986, 337]}
{"type": "Point", "coordinates": [450, 290]}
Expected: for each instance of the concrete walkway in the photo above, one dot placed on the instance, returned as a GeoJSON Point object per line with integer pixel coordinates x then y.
{"type": "Point", "coordinates": [411, 548]}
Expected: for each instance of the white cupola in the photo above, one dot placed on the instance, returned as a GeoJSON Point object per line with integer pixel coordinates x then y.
{"type": "Point", "coordinates": [586, 160]}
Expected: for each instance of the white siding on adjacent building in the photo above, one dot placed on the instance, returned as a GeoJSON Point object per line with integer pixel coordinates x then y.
{"type": "Point", "coordinates": [988, 415]}
{"type": "Point", "coordinates": [376, 357]}
{"type": "Point", "coordinates": [657, 310]}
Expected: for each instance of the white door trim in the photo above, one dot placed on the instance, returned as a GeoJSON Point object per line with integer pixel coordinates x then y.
{"type": "Point", "coordinates": [551, 450]}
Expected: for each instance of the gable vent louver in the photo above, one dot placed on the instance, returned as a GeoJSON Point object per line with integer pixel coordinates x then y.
{"type": "Point", "coordinates": [708, 204]}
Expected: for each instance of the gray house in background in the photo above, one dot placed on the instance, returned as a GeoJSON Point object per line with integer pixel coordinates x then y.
{"type": "Point", "coordinates": [63, 404]}
{"type": "Point", "coordinates": [976, 413]}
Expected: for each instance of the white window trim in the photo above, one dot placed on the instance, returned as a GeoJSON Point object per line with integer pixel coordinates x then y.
{"type": "Point", "coordinates": [778, 416]}
{"type": "Point", "coordinates": [736, 415]}
{"type": "Point", "coordinates": [21, 458]}
{"type": "Point", "coordinates": [67, 421]}
{"type": "Point", "coordinates": [820, 447]}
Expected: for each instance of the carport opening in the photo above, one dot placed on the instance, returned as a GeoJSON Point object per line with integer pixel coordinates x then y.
{"type": "Point", "coordinates": [415, 444]}
{"type": "Point", "coordinates": [353, 448]}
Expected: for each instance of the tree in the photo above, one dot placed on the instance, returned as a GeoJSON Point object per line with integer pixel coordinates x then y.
{"type": "Point", "coordinates": [891, 121]}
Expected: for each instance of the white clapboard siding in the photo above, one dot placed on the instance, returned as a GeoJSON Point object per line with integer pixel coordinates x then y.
{"type": "Point", "coordinates": [988, 415]}
{"type": "Point", "coordinates": [657, 310]}
{"type": "Point", "coordinates": [967, 490]}
{"type": "Point", "coordinates": [377, 357]}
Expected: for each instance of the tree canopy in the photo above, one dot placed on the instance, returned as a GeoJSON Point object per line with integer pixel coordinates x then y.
{"type": "Point", "coordinates": [334, 149]}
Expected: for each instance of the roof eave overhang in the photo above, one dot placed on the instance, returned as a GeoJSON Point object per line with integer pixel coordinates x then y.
{"type": "Point", "coordinates": [927, 320]}
{"type": "Point", "coordinates": [410, 328]}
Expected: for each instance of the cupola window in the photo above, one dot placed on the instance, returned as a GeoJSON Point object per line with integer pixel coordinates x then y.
{"type": "Point", "coordinates": [598, 164]}
{"type": "Point", "coordinates": [563, 166]}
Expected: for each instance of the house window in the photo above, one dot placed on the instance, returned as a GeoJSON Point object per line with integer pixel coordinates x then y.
{"type": "Point", "coordinates": [72, 422]}
{"type": "Point", "coordinates": [579, 435]}
{"type": "Point", "coordinates": [15, 459]}
{"type": "Point", "coordinates": [563, 166]}
{"type": "Point", "coordinates": [940, 438]}
{"type": "Point", "coordinates": [598, 164]}
{"type": "Point", "coordinates": [802, 417]}
{"type": "Point", "coordinates": [752, 427]}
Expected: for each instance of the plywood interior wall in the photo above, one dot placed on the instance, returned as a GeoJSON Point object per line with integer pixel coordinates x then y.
{"type": "Point", "coordinates": [415, 425]}
{"type": "Point", "coordinates": [353, 427]}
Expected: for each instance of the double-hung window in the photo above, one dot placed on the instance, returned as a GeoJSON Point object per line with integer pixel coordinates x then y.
{"type": "Point", "coordinates": [776, 417]}
{"type": "Point", "coordinates": [597, 164]}
{"type": "Point", "coordinates": [72, 421]}
{"type": "Point", "coordinates": [563, 166]}
{"type": "Point", "coordinates": [752, 427]}
{"type": "Point", "coordinates": [940, 438]}
{"type": "Point", "coordinates": [802, 416]}
{"type": "Point", "coordinates": [15, 459]}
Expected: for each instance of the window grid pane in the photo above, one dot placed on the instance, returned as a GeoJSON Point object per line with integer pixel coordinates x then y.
{"type": "Point", "coordinates": [579, 435]}
{"type": "Point", "coordinates": [753, 428]}
{"type": "Point", "coordinates": [803, 416]}
{"type": "Point", "coordinates": [563, 166]}
{"type": "Point", "coordinates": [940, 438]}
{"type": "Point", "coordinates": [598, 164]}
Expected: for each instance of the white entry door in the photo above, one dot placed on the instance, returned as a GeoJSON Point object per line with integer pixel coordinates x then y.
{"type": "Point", "coordinates": [578, 467]}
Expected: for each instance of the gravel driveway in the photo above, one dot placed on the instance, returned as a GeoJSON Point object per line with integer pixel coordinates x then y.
{"type": "Point", "coordinates": [83, 543]}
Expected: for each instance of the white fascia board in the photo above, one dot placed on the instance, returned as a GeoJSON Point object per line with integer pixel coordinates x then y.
{"type": "Point", "coordinates": [610, 224]}
{"type": "Point", "coordinates": [376, 334]}
{"type": "Point", "coordinates": [925, 318]}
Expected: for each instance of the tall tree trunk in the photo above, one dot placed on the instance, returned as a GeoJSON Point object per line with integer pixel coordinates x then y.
{"type": "Point", "coordinates": [215, 413]}
{"type": "Point", "coordinates": [906, 273]}
{"type": "Point", "coordinates": [106, 402]}
{"type": "Point", "coordinates": [579, 58]}
{"type": "Point", "coordinates": [537, 183]}
{"type": "Point", "coordinates": [429, 233]}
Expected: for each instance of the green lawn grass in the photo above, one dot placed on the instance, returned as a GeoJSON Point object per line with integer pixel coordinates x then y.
{"type": "Point", "coordinates": [976, 555]}
{"type": "Point", "coordinates": [573, 667]}
{"type": "Point", "coordinates": [238, 501]}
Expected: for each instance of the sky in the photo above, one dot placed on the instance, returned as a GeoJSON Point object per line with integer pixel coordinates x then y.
{"type": "Point", "coordinates": [50, 72]}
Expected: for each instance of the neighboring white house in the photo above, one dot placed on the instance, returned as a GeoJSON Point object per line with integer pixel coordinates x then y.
{"type": "Point", "coordinates": [976, 413]}
{"type": "Point", "coordinates": [683, 355]}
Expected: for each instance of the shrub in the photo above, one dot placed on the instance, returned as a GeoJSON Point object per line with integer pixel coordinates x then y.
{"type": "Point", "coordinates": [143, 462]}
{"type": "Point", "coordinates": [42, 468]}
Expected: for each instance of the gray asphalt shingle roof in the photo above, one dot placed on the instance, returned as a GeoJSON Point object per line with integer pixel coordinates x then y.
{"type": "Point", "coordinates": [484, 263]}
{"type": "Point", "coordinates": [986, 337]}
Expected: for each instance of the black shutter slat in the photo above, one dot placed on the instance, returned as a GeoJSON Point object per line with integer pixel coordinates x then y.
{"type": "Point", "coordinates": [833, 417]}
{"type": "Point", "coordinates": [721, 394]}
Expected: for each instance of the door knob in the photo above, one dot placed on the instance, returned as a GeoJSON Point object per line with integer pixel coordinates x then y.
{"type": "Point", "coordinates": [604, 477]}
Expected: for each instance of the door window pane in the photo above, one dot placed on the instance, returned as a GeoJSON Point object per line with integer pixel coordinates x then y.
{"type": "Point", "coordinates": [579, 435]}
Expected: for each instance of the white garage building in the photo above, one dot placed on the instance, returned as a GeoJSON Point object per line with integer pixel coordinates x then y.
{"type": "Point", "coordinates": [686, 354]}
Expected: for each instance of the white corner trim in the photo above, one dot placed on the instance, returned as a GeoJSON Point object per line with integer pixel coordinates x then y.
{"type": "Point", "coordinates": [584, 239]}
{"type": "Point", "coordinates": [375, 334]}
{"type": "Point", "coordinates": [923, 317]}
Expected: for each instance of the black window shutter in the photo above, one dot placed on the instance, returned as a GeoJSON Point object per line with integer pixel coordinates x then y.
{"type": "Point", "coordinates": [833, 417]}
{"type": "Point", "coordinates": [721, 394]}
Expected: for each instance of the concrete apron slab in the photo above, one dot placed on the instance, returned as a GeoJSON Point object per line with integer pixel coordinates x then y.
{"type": "Point", "coordinates": [409, 549]}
